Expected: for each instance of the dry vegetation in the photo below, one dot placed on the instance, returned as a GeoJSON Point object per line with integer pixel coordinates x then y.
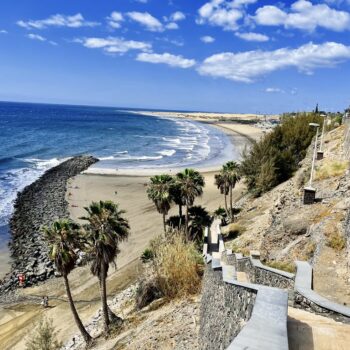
{"type": "Point", "coordinates": [334, 238]}
{"type": "Point", "coordinates": [44, 337]}
{"type": "Point", "coordinates": [281, 265]}
{"type": "Point", "coordinates": [331, 168]}
{"type": "Point", "coordinates": [178, 267]}
{"type": "Point", "coordinates": [175, 271]}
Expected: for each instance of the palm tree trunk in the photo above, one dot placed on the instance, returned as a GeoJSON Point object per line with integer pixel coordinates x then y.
{"type": "Point", "coordinates": [186, 223]}
{"type": "Point", "coordinates": [104, 296]}
{"type": "Point", "coordinates": [87, 337]}
{"type": "Point", "coordinates": [164, 224]}
{"type": "Point", "coordinates": [180, 215]}
{"type": "Point", "coordinates": [111, 314]}
{"type": "Point", "coordinates": [226, 204]}
{"type": "Point", "coordinates": [231, 205]}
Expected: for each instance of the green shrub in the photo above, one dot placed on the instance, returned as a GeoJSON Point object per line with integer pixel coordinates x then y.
{"type": "Point", "coordinates": [147, 255]}
{"type": "Point", "coordinates": [277, 155]}
{"type": "Point", "coordinates": [44, 337]}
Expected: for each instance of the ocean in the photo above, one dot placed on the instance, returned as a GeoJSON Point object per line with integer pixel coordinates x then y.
{"type": "Point", "coordinates": [35, 137]}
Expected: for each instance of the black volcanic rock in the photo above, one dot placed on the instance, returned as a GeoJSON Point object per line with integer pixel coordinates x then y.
{"type": "Point", "coordinates": [39, 204]}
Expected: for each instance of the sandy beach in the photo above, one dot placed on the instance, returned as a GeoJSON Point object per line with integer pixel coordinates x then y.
{"type": "Point", "coordinates": [211, 117]}
{"type": "Point", "coordinates": [130, 192]}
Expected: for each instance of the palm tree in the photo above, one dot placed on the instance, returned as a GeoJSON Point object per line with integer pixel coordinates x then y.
{"type": "Point", "coordinates": [191, 184]}
{"type": "Point", "coordinates": [199, 219]}
{"type": "Point", "coordinates": [175, 192]}
{"type": "Point", "coordinates": [159, 191]}
{"type": "Point", "coordinates": [232, 171]}
{"type": "Point", "coordinates": [106, 228]}
{"type": "Point", "coordinates": [63, 238]}
{"type": "Point", "coordinates": [222, 184]}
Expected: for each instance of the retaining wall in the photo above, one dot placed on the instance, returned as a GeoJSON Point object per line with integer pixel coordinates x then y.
{"type": "Point", "coordinates": [306, 298]}
{"type": "Point", "coordinates": [225, 309]}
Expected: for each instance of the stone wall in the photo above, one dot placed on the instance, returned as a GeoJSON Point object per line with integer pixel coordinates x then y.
{"type": "Point", "coordinates": [261, 274]}
{"type": "Point", "coordinates": [302, 302]}
{"type": "Point", "coordinates": [225, 309]}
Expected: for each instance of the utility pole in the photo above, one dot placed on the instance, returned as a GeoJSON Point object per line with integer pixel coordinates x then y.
{"type": "Point", "coordinates": [320, 153]}
{"type": "Point", "coordinates": [309, 191]}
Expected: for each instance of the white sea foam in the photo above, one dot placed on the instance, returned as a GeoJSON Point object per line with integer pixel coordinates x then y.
{"type": "Point", "coordinates": [17, 179]}
{"type": "Point", "coordinates": [167, 152]}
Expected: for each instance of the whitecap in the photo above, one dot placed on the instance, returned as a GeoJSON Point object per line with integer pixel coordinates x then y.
{"type": "Point", "coordinates": [167, 152]}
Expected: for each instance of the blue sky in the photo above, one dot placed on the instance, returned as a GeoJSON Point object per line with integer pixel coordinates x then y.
{"type": "Point", "coordinates": [236, 56]}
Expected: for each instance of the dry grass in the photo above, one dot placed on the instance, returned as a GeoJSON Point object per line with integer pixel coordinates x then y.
{"type": "Point", "coordinates": [331, 168]}
{"type": "Point", "coordinates": [322, 213]}
{"type": "Point", "coordinates": [178, 267]}
{"type": "Point", "coordinates": [336, 241]}
{"type": "Point", "coordinates": [334, 238]}
{"type": "Point", "coordinates": [281, 265]}
{"type": "Point", "coordinates": [309, 251]}
{"type": "Point", "coordinates": [234, 230]}
{"type": "Point", "coordinates": [237, 249]}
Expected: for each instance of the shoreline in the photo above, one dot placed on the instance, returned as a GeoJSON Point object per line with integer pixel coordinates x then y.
{"type": "Point", "coordinates": [238, 139]}
{"type": "Point", "coordinates": [237, 133]}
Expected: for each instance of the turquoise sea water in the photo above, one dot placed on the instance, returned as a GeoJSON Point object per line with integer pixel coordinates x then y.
{"type": "Point", "coordinates": [35, 137]}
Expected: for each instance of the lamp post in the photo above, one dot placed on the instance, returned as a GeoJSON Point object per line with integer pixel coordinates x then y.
{"type": "Point", "coordinates": [320, 152]}
{"type": "Point", "coordinates": [309, 191]}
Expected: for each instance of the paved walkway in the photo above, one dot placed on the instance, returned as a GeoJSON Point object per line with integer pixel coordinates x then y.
{"type": "Point", "coordinates": [307, 331]}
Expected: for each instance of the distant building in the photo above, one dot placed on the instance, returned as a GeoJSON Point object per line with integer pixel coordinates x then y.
{"type": "Point", "coordinates": [347, 113]}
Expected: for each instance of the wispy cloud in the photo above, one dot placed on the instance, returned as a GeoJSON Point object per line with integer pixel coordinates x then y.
{"type": "Point", "coordinates": [304, 15]}
{"type": "Point", "coordinates": [147, 21]}
{"type": "Point", "coordinates": [166, 58]}
{"type": "Point", "coordinates": [40, 38]}
{"type": "Point", "coordinates": [58, 20]}
{"type": "Point", "coordinates": [248, 66]}
{"type": "Point", "coordinates": [3, 31]}
{"type": "Point", "coordinates": [253, 37]}
{"type": "Point", "coordinates": [114, 45]}
{"type": "Point", "coordinates": [274, 90]}
{"type": "Point", "coordinates": [207, 39]}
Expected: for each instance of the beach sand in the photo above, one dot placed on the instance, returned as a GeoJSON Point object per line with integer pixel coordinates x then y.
{"type": "Point", "coordinates": [16, 320]}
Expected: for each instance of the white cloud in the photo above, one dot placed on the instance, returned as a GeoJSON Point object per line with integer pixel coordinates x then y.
{"type": "Point", "coordinates": [40, 38]}
{"type": "Point", "coordinates": [147, 20]}
{"type": "Point", "coordinates": [304, 15]}
{"type": "Point", "coordinates": [248, 66]}
{"type": "Point", "coordinates": [3, 31]}
{"type": "Point", "coordinates": [274, 90]}
{"type": "Point", "coordinates": [58, 20]}
{"type": "Point", "coordinates": [172, 25]}
{"type": "Point", "coordinates": [240, 3]}
{"type": "Point", "coordinates": [177, 16]}
{"type": "Point", "coordinates": [115, 19]}
{"type": "Point", "coordinates": [207, 39]}
{"type": "Point", "coordinates": [114, 45]}
{"type": "Point", "coordinates": [220, 13]}
{"type": "Point", "coordinates": [166, 58]}
{"type": "Point", "coordinates": [253, 37]}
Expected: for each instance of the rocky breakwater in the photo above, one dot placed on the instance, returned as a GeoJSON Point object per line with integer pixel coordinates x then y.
{"type": "Point", "coordinates": [39, 204]}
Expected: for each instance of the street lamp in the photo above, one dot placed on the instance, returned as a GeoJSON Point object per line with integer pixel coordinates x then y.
{"type": "Point", "coordinates": [320, 152]}
{"type": "Point", "coordinates": [309, 191]}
